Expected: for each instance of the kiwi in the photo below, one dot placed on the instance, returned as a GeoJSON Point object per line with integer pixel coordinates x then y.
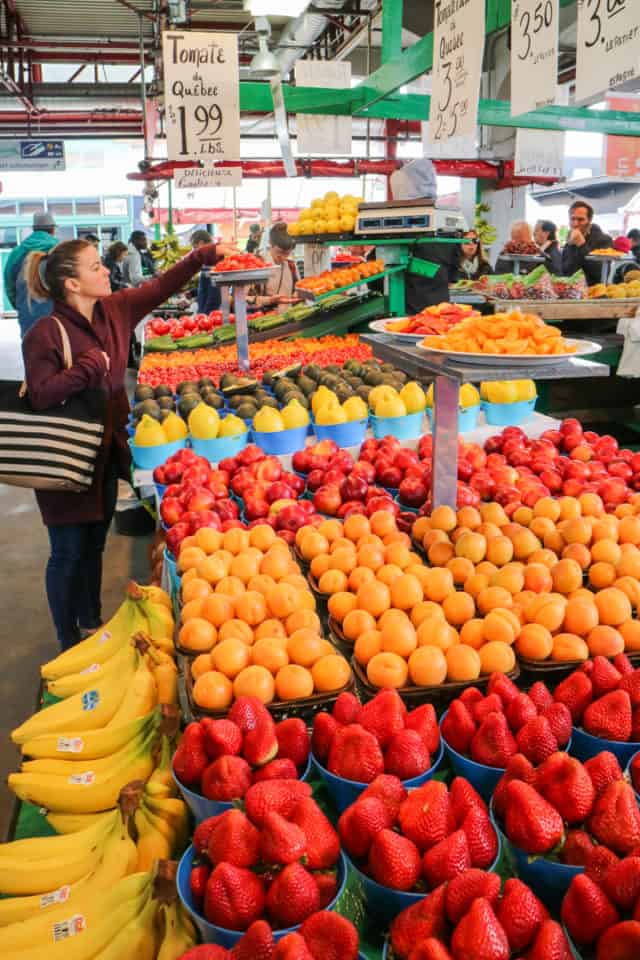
{"type": "Point", "coordinates": [333, 368]}
{"type": "Point", "coordinates": [163, 415]}
{"type": "Point", "coordinates": [205, 382]}
{"type": "Point", "coordinates": [364, 392]}
{"type": "Point", "coordinates": [306, 385]}
{"type": "Point", "coordinates": [343, 392]}
{"type": "Point", "coordinates": [213, 399]}
{"type": "Point", "coordinates": [374, 378]}
{"type": "Point", "coordinates": [267, 378]}
{"type": "Point", "coordinates": [313, 371]}
{"type": "Point", "coordinates": [187, 386]}
{"type": "Point", "coordinates": [296, 395]}
{"type": "Point", "coordinates": [162, 391]}
{"type": "Point", "coordinates": [166, 403]}
{"type": "Point", "coordinates": [187, 403]}
{"type": "Point", "coordinates": [151, 408]}
{"type": "Point", "coordinates": [246, 411]}
{"type": "Point", "coordinates": [270, 402]}
{"type": "Point", "coordinates": [144, 393]}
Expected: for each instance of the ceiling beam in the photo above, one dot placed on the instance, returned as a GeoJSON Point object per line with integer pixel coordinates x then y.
{"type": "Point", "coordinates": [140, 13]}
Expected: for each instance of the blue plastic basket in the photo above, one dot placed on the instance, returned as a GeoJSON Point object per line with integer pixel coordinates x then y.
{"type": "Point", "coordinates": [148, 458]}
{"type": "Point", "coordinates": [172, 568]}
{"type": "Point", "coordinates": [345, 792]}
{"type": "Point", "coordinates": [281, 442]}
{"type": "Point", "coordinates": [628, 776]}
{"type": "Point", "coordinates": [160, 490]}
{"type": "Point", "coordinates": [403, 428]}
{"type": "Point", "coordinates": [584, 746]}
{"type": "Point", "coordinates": [467, 418]}
{"type": "Point", "coordinates": [349, 434]}
{"type": "Point", "coordinates": [209, 932]}
{"type": "Point", "coordinates": [508, 414]}
{"type": "Point", "coordinates": [216, 450]}
{"type": "Point", "coordinates": [202, 808]}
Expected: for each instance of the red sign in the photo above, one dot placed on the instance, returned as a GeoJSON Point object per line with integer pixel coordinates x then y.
{"type": "Point", "coordinates": [622, 154]}
{"type": "Point", "coordinates": [220, 215]}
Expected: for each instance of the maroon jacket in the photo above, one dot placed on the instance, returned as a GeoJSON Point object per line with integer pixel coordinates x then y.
{"type": "Point", "coordinates": [50, 384]}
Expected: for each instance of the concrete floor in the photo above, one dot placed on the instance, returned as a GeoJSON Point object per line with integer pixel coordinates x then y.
{"type": "Point", "coordinates": [29, 639]}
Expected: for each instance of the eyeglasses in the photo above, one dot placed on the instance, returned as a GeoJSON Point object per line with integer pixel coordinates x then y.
{"type": "Point", "coordinates": [471, 240]}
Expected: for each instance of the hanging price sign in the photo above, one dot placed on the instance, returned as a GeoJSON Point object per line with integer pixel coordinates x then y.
{"type": "Point", "coordinates": [534, 54]}
{"type": "Point", "coordinates": [608, 51]}
{"type": "Point", "coordinates": [202, 96]}
{"type": "Point", "coordinates": [539, 153]}
{"type": "Point", "coordinates": [457, 68]}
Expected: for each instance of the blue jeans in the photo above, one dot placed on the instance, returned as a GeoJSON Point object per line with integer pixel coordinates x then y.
{"type": "Point", "coordinates": [74, 570]}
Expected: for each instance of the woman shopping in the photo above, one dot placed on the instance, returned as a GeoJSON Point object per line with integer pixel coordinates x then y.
{"type": "Point", "coordinates": [98, 325]}
{"type": "Point", "coordinates": [472, 263]}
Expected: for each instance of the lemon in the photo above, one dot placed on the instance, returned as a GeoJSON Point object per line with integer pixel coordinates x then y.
{"type": "Point", "coordinates": [347, 223]}
{"type": "Point", "coordinates": [526, 389]}
{"type": "Point", "coordinates": [294, 415]}
{"type": "Point", "coordinates": [355, 408]}
{"type": "Point", "coordinates": [331, 197]}
{"type": "Point", "coordinates": [149, 433]}
{"type": "Point", "coordinates": [413, 397]}
{"type": "Point", "coordinates": [429, 397]}
{"type": "Point", "coordinates": [174, 428]}
{"type": "Point", "coordinates": [268, 420]}
{"type": "Point", "coordinates": [328, 416]}
{"type": "Point", "coordinates": [317, 204]}
{"type": "Point", "coordinates": [377, 393]}
{"type": "Point", "coordinates": [232, 426]}
{"type": "Point", "coordinates": [390, 407]}
{"type": "Point", "coordinates": [204, 422]}
{"type": "Point", "coordinates": [319, 226]}
{"type": "Point", "coordinates": [469, 396]}
{"type": "Point", "coordinates": [323, 397]}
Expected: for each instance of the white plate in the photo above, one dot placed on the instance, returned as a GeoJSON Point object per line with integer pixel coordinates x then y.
{"type": "Point", "coordinates": [378, 326]}
{"type": "Point", "coordinates": [604, 257]}
{"type": "Point", "coordinates": [584, 348]}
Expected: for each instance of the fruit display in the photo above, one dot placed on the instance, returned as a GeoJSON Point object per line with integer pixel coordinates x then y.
{"type": "Point", "coordinates": [167, 251]}
{"type": "Point", "coordinates": [386, 401]}
{"type": "Point", "coordinates": [508, 391]}
{"type": "Point", "coordinates": [240, 261]}
{"type": "Point", "coordinates": [507, 334]}
{"type": "Point", "coordinates": [539, 284]}
{"type": "Point", "coordinates": [291, 416]}
{"type": "Point", "coordinates": [615, 291]}
{"type": "Point", "coordinates": [353, 378]}
{"type": "Point", "coordinates": [600, 908]}
{"type": "Point", "coordinates": [329, 214]}
{"type": "Point", "coordinates": [603, 698]}
{"type": "Point", "coordinates": [150, 433]}
{"type": "Point", "coordinates": [521, 248]}
{"type": "Point", "coordinates": [607, 252]}
{"type": "Point", "coordinates": [436, 319]}
{"type": "Point", "coordinates": [334, 279]}
{"type": "Point", "coordinates": [182, 326]}
{"type": "Point", "coordinates": [469, 396]}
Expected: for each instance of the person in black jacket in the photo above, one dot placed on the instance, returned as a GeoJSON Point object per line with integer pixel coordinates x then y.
{"type": "Point", "coordinates": [546, 236]}
{"type": "Point", "coordinates": [584, 237]}
{"type": "Point", "coordinates": [472, 262]}
{"type": "Point", "coordinates": [207, 293]}
{"type": "Point", "coordinates": [113, 261]}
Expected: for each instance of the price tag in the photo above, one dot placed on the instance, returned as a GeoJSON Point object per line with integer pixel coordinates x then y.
{"type": "Point", "coordinates": [534, 54]}
{"type": "Point", "coordinates": [104, 636]}
{"type": "Point", "coordinates": [202, 95]}
{"type": "Point", "coordinates": [92, 668]}
{"type": "Point", "coordinates": [539, 153]}
{"type": "Point", "coordinates": [194, 178]}
{"type": "Point", "coordinates": [69, 928]}
{"type": "Point", "coordinates": [61, 895]}
{"type": "Point", "coordinates": [82, 779]}
{"type": "Point", "coordinates": [457, 68]}
{"type": "Point", "coordinates": [608, 50]}
{"type": "Point", "coordinates": [70, 745]}
{"type": "Point", "coordinates": [90, 699]}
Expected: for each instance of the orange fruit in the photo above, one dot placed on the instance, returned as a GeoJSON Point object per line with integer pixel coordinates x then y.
{"type": "Point", "coordinates": [605, 641]}
{"type": "Point", "coordinates": [262, 536]}
{"type": "Point", "coordinates": [340, 604]}
{"type": "Point", "coordinates": [458, 607]}
{"type": "Point", "coordinates": [303, 618]}
{"type": "Point", "coordinates": [547, 610]}
{"type": "Point", "coordinates": [437, 633]}
{"type": "Point", "coordinates": [271, 629]}
{"type": "Point", "coordinates": [283, 599]}
{"type": "Point", "coordinates": [201, 664]}
{"type": "Point", "coordinates": [230, 587]}
{"type": "Point", "coordinates": [251, 607]}
{"type": "Point", "coordinates": [580, 616]}
{"type": "Point", "coordinates": [629, 530]}
{"type": "Point", "coordinates": [475, 583]}
{"type": "Point", "coordinates": [566, 576]}
{"type": "Point", "coordinates": [319, 565]}
{"type": "Point", "coordinates": [213, 691]}
{"type": "Point", "coordinates": [387, 573]}
{"type": "Point", "coordinates": [472, 633]}
{"type": "Point", "coordinates": [330, 672]}
{"type": "Point", "coordinates": [270, 652]}
{"type": "Point", "coordinates": [255, 681]}
{"type": "Point", "coordinates": [406, 591]}
{"type": "Point", "coordinates": [579, 553]}
{"type": "Point", "coordinates": [191, 609]}
{"type": "Point", "coordinates": [198, 635]}
{"type": "Point", "coordinates": [602, 575]}
{"type": "Point", "coordinates": [492, 597]}
{"type": "Point", "coordinates": [190, 557]}
{"type": "Point", "coordinates": [236, 628]}
{"type": "Point", "coordinates": [367, 645]}
{"type": "Point", "coordinates": [567, 646]}
{"type": "Point", "coordinates": [344, 559]}
{"type": "Point", "coordinates": [630, 632]}
{"type": "Point", "coordinates": [443, 518]}
{"type": "Point", "coordinates": [333, 581]}
{"type": "Point", "coordinates": [387, 669]}
{"type": "Point", "coordinates": [427, 666]}
{"type": "Point", "coordinates": [195, 589]}
{"type": "Point", "coordinates": [305, 646]}
{"type": "Point", "coordinates": [230, 656]}
{"type": "Point", "coordinates": [382, 522]}
{"type": "Point", "coordinates": [208, 539]}
{"type": "Point", "coordinates": [439, 585]}
{"type": "Point", "coordinates": [606, 551]}
{"type": "Point", "coordinates": [614, 606]}
{"type": "Point", "coordinates": [356, 526]}
{"type": "Point", "coordinates": [399, 637]}
{"type": "Point", "coordinates": [463, 663]}
{"type": "Point", "coordinates": [293, 682]}
{"type": "Point", "coordinates": [502, 625]}
{"type": "Point", "coordinates": [356, 622]}
{"type": "Point", "coordinates": [534, 642]}
{"type": "Point", "coordinates": [423, 610]}
{"type": "Point", "coordinates": [496, 657]}
{"type": "Point", "coordinates": [374, 597]}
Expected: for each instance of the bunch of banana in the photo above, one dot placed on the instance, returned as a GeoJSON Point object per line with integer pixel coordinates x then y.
{"type": "Point", "coordinates": [178, 934]}
{"type": "Point", "coordinates": [168, 251]}
{"type": "Point", "coordinates": [156, 606]}
{"type": "Point", "coordinates": [161, 819]}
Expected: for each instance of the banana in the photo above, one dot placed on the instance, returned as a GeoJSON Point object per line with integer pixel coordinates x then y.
{"type": "Point", "coordinates": [73, 822]}
{"type": "Point", "coordinates": [137, 940]}
{"type": "Point", "coordinates": [140, 697]}
{"type": "Point", "coordinates": [157, 595]}
{"type": "Point", "coordinates": [89, 744]}
{"type": "Point", "coordinates": [72, 767]}
{"type": "Point", "coordinates": [165, 673]}
{"type": "Point", "coordinates": [153, 843]}
{"type": "Point", "coordinates": [161, 625]}
{"type": "Point", "coordinates": [175, 812]}
{"type": "Point", "coordinates": [41, 848]}
{"type": "Point", "coordinates": [161, 783]}
{"type": "Point", "coordinates": [179, 932]}
{"type": "Point", "coordinates": [72, 683]}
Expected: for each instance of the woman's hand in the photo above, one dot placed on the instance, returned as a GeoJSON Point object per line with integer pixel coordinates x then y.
{"type": "Point", "coordinates": [226, 250]}
{"type": "Point", "coordinates": [210, 253]}
{"type": "Point", "coordinates": [107, 360]}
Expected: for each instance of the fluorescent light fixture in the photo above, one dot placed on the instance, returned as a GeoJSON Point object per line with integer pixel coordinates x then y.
{"type": "Point", "coordinates": [276, 8]}
{"type": "Point", "coordinates": [265, 64]}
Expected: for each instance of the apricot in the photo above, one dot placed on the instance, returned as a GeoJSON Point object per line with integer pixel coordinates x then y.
{"type": "Point", "coordinates": [439, 584]}
{"type": "Point", "coordinates": [492, 597]}
{"type": "Point", "coordinates": [427, 666]}
{"type": "Point", "coordinates": [547, 507]}
{"type": "Point", "coordinates": [502, 625]}
{"type": "Point", "coordinates": [357, 622]}
{"type": "Point", "coordinates": [496, 657]}
{"type": "Point", "coordinates": [591, 505]}
{"type": "Point", "coordinates": [475, 583]}
{"type": "Point", "coordinates": [489, 530]}
{"type": "Point", "coordinates": [473, 546]}
{"type": "Point", "coordinates": [534, 642]}
{"type": "Point", "coordinates": [499, 550]}
{"type": "Point", "coordinates": [579, 553]}
{"type": "Point", "coordinates": [439, 554]}
{"type": "Point", "coordinates": [580, 615]}
{"type": "Point", "coordinates": [355, 526]}
{"type": "Point", "coordinates": [523, 515]}
{"type": "Point", "coordinates": [463, 663]}
{"type": "Point", "coordinates": [443, 518]}
{"type": "Point", "coordinates": [437, 633]}
{"type": "Point", "coordinates": [567, 646]}
{"type": "Point", "coordinates": [605, 527]}
{"type": "Point", "coordinates": [576, 530]}
{"type": "Point", "coordinates": [569, 508]}
{"type": "Point", "coordinates": [231, 656]}
{"type": "Point", "coordinates": [554, 541]}
{"type": "Point", "coordinates": [630, 632]}
{"type": "Point", "coordinates": [566, 575]}
{"type": "Point", "coordinates": [406, 591]}
{"type": "Point", "coordinates": [423, 610]}
{"type": "Point", "coordinates": [371, 556]}
{"type": "Point", "coordinates": [387, 669]}
{"type": "Point", "coordinates": [486, 568]}
{"type": "Point", "coordinates": [461, 569]}
{"type": "Point", "coordinates": [468, 517]}
{"type": "Point", "coordinates": [340, 604]}
{"type": "Point", "coordinates": [605, 641]}
{"type": "Point", "coordinates": [358, 576]}
{"type": "Point", "coordinates": [434, 536]}
{"type": "Point", "coordinates": [318, 566]}
{"type": "Point", "coordinates": [614, 606]}
{"type": "Point", "coordinates": [313, 544]}
{"type": "Point", "coordinates": [213, 691]}
{"type": "Point", "coordinates": [537, 578]}
{"type": "Point", "coordinates": [629, 564]}
{"type": "Point", "coordinates": [367, 645]}
{"type": "Point", "coordinates": [293, 682]}
{"type": "Point", "coordinates": [602, 575]}
{"type": "Point", "coordinates": [399, 554]}
{"type": "Point", "coordinates": [510, 577]}
{"type": "Point", "coordinates": [333, 581]}
{"type": "Point", "coordinates": [472, 634]}
{"type": "Point", "coordinates": [493, 513]}
{"type": "Point", "coordinates": [388, 573]}
{"type": "Point", "coordinates": [256, 681]}
{"type": "Point", "coordinates": [374, 597]}
{"type": "Point", "coordinates": [399, 637]}
{"type": "Point", "coordinates": [629, 530]}
{"type": "Point", "coordinates": [458, 607]}
{"type": "Point", "coordinates": [541, 526]}
{"type": "Point", "coordinates": [455, 535]}
{"type": "Point", "coordinates": [547, 611]}
{"type": "Point", "coordinates": [201, 664]}
{"type": "Point", "coordinates": [631, 587]}
{"type": "Point", "coordinates": [546, 557]}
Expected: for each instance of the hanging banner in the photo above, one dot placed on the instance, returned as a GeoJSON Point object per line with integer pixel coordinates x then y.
{"type": "Point", "coordinates": [320, 135]}
{"type": "Point", "coordinates": [194, 178]}
{"type": "Point", "coordinates": [201, 95]}
{"type": "Point", "coordinates": [457, 68]}
{"type": "Point", "coordinates": [608, 50]}
{"type": "Point", "coordinates": [539, 153]}
{"type": "Point", "coordinates": [622, 154]}
{"type": "Point", "coordinates": [534, 54]}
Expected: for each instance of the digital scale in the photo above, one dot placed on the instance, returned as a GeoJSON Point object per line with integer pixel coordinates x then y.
{"type": "Point", "coordinates": [407, 217]}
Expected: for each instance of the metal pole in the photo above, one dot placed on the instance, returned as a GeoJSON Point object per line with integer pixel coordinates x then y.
{"type": "Point", "coordinates": [170, 207]}
{"type": "Point", "coordinates": [143, 87]}
{"type": "Point", "coordinates": [242, 329]}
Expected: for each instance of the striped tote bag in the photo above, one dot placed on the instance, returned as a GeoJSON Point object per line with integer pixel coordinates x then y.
{"type": "Point", "coordinates": [53, 449]}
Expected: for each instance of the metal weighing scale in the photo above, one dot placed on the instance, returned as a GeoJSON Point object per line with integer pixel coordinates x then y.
{"type": "Point", "coordinates": [407, 217]}
{"type": "Point", "coordinates": [240, 281]}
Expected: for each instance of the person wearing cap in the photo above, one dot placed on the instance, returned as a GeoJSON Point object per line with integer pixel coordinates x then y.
{"type": "Point", "coordinates": [42, 240]}
{"type": "Point", "coordinates": [629, 245]}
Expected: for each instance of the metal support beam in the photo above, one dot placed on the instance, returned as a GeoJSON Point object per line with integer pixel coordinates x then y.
{"type": "Point", "coordinates": [136, 10]}
{"type": "Point", "coordinates": [76, 73]}
{"type": "Point", "coordinates": [392, 11]}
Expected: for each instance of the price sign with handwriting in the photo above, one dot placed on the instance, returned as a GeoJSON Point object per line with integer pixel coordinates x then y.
{"type": "Point", "coordinates": [608, 51]}
{"type": "Point", "coordinates": [534, 54]}
{"type": "Point", "coordinates": [202, 95]}
{"type": "Point", "coordinates": [457, 68]}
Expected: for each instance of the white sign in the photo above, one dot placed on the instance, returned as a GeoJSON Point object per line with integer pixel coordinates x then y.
{"type": "Point", "coordinates": [32, 155]}
{"type": "Point", "coordinates": [317, 133]}
{"type": "Point", "coordinates": [457, 68]}
{"type": "Point", "coordinates": [539, 153]}
{"type": "Point", "coordinates": [608, 51]}
{"type": "Point", "coordinates": [202, 95]}
{"type": "Point", "coordinates": [534, 54]}
{"type": "Point", "coordinates": [193, 178]}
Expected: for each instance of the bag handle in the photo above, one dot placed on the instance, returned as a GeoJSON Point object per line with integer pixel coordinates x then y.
{"type": "Point", "coordinates": [66, 354]}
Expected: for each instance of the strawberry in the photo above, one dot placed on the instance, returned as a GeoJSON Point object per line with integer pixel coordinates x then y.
{"type": "Point", "coordinates": [293, 896]}
{"type": "Point", "coordinates": [424, 918]}
{"type": "Point", "coordinates": [360, 823]}
{"type": "Point", "coordinates": [260, 745]}
{"type": "Point", "coordinates": [493, 743]}
{"type": "Point", "coordinates": [221, 737]}
{"type": "Point", "coordinates": [278, 769]}
{"type": "Point", "coordinates": [531, 823]}
{"type": "Point", "coordinates": [481, 838]}
{"type": "Point", "coordinates": [505, 688]}
{"type": "Point", "coordinates": [206, 951]}
{"type": "Point", "coordinates": [234, 897]}
{"type": "Point", "coordinates": [227, 778]}
{"type": "Point", "coordinates": [425, 722]}
{"type": "Point", "coordinates": [430, 949]}
{"type": "Point", "coordinates": [293, 741]}
{"type": "Point", "coordinates": [576, 692]}
{"type": "Point", "coordinates": [586, 910]}
{"type": "Point", "coordinates": [246, 711]}
{"type": "Point", "coordinates": [620, 942]}
{"type": "Point", "coordinates": [446, 859]}
{"type": "Point", "coordinates": [560, 722]}
{"type": "Point", "coordinates": [586, 668]}
{"type": "Point", "coordinates": [518, 768]}
{"type": "Point", "coordinates": [458, 726]}
{"type": "Point", "coordinates": [603, 770]}
{"type": "Point", "coordinates": [635, 772]}
{"type": "Point", "coordinates": [281, 842]}
{"type": "Point", "coordinates": [330, 937]}
{"type": "Point", "coordinates": [280, 796]}
{"type": "Point", "coordinates": [615, 819]}
{"type": "Point", "coordinates": [520, 710]}
{"type": "Point", "coordinates": [355, 754]}
{"type": "Point", "coordinates": [482, 708]}
{"type": "Point", "coordinates": [622, 663]}
{"type": "Point", "coordinates": [324, 730]}
{"type": "Point", "coordinates": [470, 696]}
{"type": "Point", "coordinates": [609, 717]}
{"type": "Point", "coordinates": [464, 798]}
{"type": "Point", "coordinates": [322, 841]}
{"type": "Point", "coordinates": [426, 816]}
{"type": "Point", "coordinates": [479, 935]}
{"type": "Point", "coordinates": [327, 886]}
{"type": "Point", "coordinates": [202, 833]}
{"type": "Point", "coordinates": [407, 755]}
{"type": "Point", "coordinates": [541, 696]}
{"type": "Point", "coordinates": [467, 887]}
{"type": "Point", "coordinates": [550, 943]}
{"type": "Point", "coordinates": [292, 947]}
{"type": "Point", "coordinates": [599, 862]}
{"type": "Point", "coordinates": [234, 839]}
{"type": "Point", "coordinates": [564, 782]}
{"type": "Point", "coordinates": [635, 724]}
{"type": "Point", "coordinates": [520, 913]}
{"type": "Point", "coordinates": [346, 708]}
{"type": "Point", "coordinates": [604, 677]}
{"type": "Point", "coordinates": [631, 683]}
{"type": "Point", "coordinates": [256, 944]}
{"type": "Point", "coordinates": [390, 790]}
{"type": "Point", "coordinates": [383, 716]}
{"type": "Point", "coordinates": [198, 883]}
{"type": "Point", "coordinates": [621, 882]}
{"type": "Point", "coordinates": [577, 848]}
{"type": "Point", "coordinates": [190, 759]}
{"type": "Point", "coordinates": [536, 740]}
{"type": "Point", "coordinates": [394, 861]}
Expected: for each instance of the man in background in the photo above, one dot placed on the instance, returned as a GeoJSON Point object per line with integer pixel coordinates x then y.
{"type": "Point", "coordinates": [584, 237]}
{"type": "Point", "coordinates": [255, 238]}
{"type": "Point", "coordinates": [42, 240]}
{"type": "Point", "coordinates": [208, 294]}
{"type": "Point", "coordinates": [138, 265]}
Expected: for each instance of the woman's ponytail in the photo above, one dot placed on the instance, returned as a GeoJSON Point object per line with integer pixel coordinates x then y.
{"type": "Point", "coordinates": [46, 273]}
{"type": "Point", "coordinates": [34, 275]}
